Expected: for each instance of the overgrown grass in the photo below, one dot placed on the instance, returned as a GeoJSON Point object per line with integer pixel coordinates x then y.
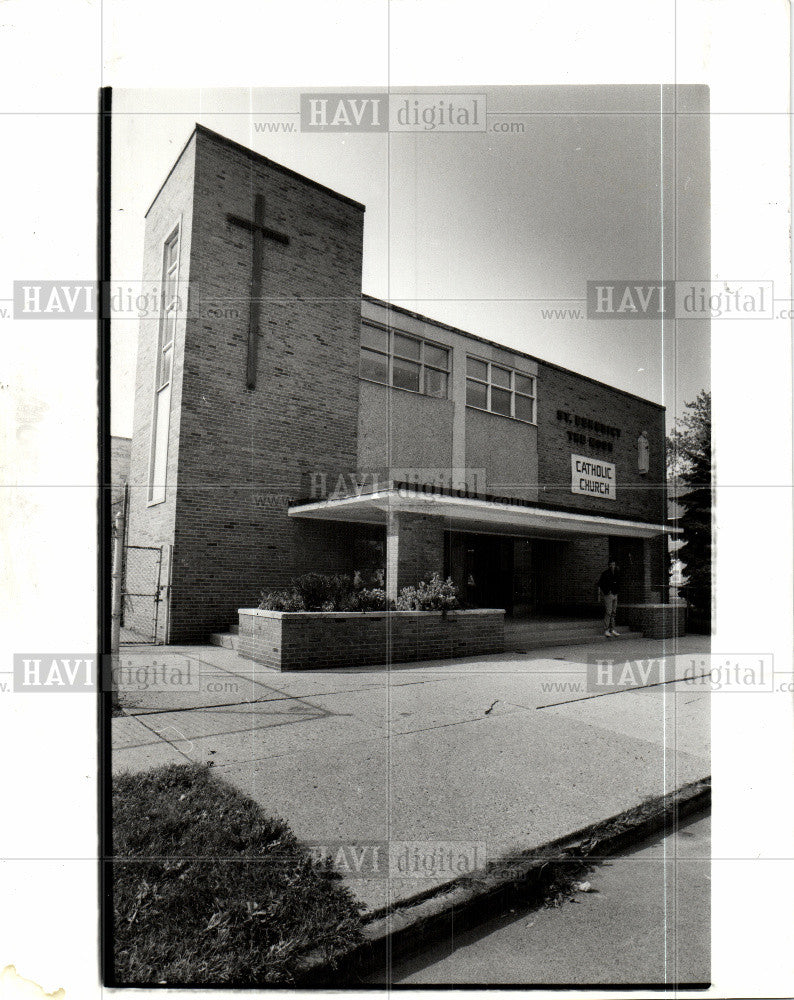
{"type": "Point", "coordinates": [206, 889]}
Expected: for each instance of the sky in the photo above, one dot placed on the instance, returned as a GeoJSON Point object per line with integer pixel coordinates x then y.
{"type": "Point", "coordinates": [496, 232]}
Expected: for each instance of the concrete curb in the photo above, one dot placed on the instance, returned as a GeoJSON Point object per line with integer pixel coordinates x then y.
{"type": "Point", "coordinates": [522, 879]}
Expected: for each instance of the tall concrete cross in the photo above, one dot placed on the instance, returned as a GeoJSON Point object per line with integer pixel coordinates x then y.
{"type": "Point", "coordinates": [260, 232]}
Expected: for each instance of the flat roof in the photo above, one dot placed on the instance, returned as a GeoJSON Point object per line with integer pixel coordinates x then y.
{"type": "Point", "coordinates": [505, 347]}
{"type": "Point", "coordinates": [258, 158]}
{"type": "Point", "coordinates": [474, 512]}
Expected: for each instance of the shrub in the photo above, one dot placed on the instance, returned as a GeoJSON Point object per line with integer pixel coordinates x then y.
{"type": "Point", "coordinates": [369, 599]}
{"type": "Point", "coordinates": [321, 592]}
{"type": "Point", "coordinates": [434, 594]}
{"type": "Point", "coordinates": [373, 578]}
{"type": "Point", "coordinates": [282, 600]}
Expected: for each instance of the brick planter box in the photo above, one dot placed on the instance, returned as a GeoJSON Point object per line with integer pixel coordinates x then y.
{"type": "Point", "coordinates": [319, 640]}
{"type": "Point", "coordinates": [655, 621]}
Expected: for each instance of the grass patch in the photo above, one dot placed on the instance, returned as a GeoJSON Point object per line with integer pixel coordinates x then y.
{"type": "Point", "coordinates": [208, 890]}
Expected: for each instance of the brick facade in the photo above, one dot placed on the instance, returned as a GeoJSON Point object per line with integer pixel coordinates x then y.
{"type": "Point", "coordinates": [637, 495]}
{"type": "Point", "coordinates": [414, 550]}
{"type": "Point", "coordinates": [238, 455]}
{"type": "Point", "coordinates": [154, 524]}
{"type": "Point", "coordinates": [568, 572]}
{"type": "Point", "coordinates": [655, 621]}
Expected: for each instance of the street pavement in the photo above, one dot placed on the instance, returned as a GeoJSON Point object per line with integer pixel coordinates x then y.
{"type": "Point", "coordinates": [645, 920]}
{"type": "Point", "coordinates": [503, 752]}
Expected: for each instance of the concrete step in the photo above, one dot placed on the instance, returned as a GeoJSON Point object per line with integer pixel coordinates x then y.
{"type": "Point", "coordinates": [228, 640]}
{"type": "Point", "coordinates": [562, 638]}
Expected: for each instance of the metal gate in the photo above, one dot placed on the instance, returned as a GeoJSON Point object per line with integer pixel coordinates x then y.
{"type": "Point", "coordinates": [141, 594]}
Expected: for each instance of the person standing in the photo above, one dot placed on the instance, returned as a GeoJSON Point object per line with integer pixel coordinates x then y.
{"type": "Point", "coordinates": [608, 587]}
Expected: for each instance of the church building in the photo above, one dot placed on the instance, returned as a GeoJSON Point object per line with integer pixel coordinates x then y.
{"type": "Point", "coordinates": [286, 423]}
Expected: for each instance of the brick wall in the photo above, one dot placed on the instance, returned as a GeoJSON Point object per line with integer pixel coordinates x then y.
{"type": "Point", "coordinates": [245, 453]}
{"type": "Point", "coordinates": [659, 568]}
{"type": "Point", "coordinates": [153, 525]}
{"type": "Point", "coordinates": [637, 495]}
{"type": "Point", "coordinates": [655, 621]}
{"type": "Point", "coordinates": [238, 455]}
{"type": "Point", "coordinates": [317, 641]}
{"type": "Point", "coordinates": [414, 550]}
{"type": "Point", "coordinates": [567, 571]}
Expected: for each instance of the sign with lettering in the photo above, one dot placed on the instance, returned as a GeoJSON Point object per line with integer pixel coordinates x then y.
{"type": "Point", "coordinates": [592, 477]}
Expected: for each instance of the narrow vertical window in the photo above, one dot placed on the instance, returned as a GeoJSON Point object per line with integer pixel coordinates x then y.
{"type": "Point", "coordinates": [164, 362]}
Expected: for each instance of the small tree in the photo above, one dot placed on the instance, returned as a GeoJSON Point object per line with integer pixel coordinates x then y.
{"type": "Point", "coordinates": [689, 460]}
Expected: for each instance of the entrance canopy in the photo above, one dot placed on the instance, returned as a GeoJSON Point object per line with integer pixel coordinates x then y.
{"type": "Point", "coordinates": [463, 511]}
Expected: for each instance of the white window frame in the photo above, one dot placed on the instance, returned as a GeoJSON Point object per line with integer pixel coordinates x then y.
{"type": "Point", "coordinates": [489, 384]}
{"type": "Point", "coordinates": [166, 324]}
{"type": "Point", "coordinates": [423, 364]}
{"type": "Point", "coordinates": [169, 310]}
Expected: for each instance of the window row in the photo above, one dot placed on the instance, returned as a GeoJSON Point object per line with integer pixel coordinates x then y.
{"type": "Point", "coordinates": [407, 362]}
{"type": "Point", "coordinates": [404, 362]}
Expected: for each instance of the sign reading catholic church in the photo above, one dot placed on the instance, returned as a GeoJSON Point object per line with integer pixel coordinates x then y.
{"type": "Point", "coordinates": [592, 477]}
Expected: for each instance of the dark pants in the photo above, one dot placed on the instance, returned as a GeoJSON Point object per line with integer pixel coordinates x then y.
{"type": "Point", "coordinates": [610, 609]}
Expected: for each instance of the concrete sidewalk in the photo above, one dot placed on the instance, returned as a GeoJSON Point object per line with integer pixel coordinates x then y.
{"type": "Point", "coordinates": [510, 751]}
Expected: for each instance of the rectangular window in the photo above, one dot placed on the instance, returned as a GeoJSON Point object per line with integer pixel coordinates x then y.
{"type": "Point", "coordinates": [500, 401]}
{"type": "Point", "coordinates": [525, 408]}
{"type": "Point", "coordinates": [403, 361]}
{"type": "Point", "coordinates": [169, 309]}
{"type": "Point", "coordinates": [374, 366]}
{"type": "Point", "coordinates": [164, 364]}
{"type": "Point", "coordinates": [407, 347]}
{"type": "Point", "coordinates": [374, 338]}
{"type": "Point", "coordinates": [160, 455]}
{"type": "Point", "coordinates": [500, 377]}
{"type": "Point", "coordinates": [500, 390]}
{"type": "Point", "coordinates": [525, 384]}
{"type": "Point", "coordinates": [406, 374]}
{"type": "Point", "coordinates": [436, 383]}
{"type": "Point", "coordinates": [476, 394]}
{"type": "Point", "coordinates": [437, 356]}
